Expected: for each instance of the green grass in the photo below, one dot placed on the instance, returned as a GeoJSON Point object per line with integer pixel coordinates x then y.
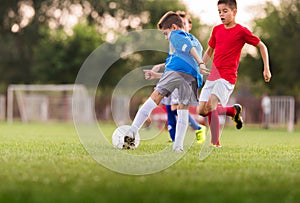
{"type": "Point", "coordinates": [47, 163]}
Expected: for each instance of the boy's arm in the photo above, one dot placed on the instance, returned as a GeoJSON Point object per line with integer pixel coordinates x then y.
{"type": "Point", "coordinates": [151, 75]}
{"type": "Point", "coordinates": [158, 67]}
{"type": "Point", "coordinates": [208, 54]}
{"type": "Point", "coordinates": [202, 66]}
{"type": "Point", "coordinates": [265, 56]}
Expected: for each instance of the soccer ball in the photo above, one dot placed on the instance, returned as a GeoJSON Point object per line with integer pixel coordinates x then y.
{"type": "Point", "coordinates": [121, 141]}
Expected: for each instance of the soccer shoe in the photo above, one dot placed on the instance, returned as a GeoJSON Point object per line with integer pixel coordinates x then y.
{"type": "Point", "coordinates": [178, 150]}
{"type": "Point", "coordinates": [218, 146]}
{"type": "Point", "coordinates": [237, 118]}
{"type": "Point", "coordinates": [170, 140]}
{"type": "Point", "coordinates": [200, 134]}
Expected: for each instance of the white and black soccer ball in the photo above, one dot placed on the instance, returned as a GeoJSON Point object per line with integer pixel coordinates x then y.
{"type": "Point", "coordinates": [121, 139]}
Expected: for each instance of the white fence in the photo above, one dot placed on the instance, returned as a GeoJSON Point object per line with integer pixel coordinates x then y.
{"type": "Point", "coordinates": [48, 102]}
{"type": "Point", "coordinates": [282, 112]}
{"type": "Point", "coordinates": [2, 107]}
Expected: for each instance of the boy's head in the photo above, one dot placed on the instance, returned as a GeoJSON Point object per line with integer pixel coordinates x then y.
{"type": "Point", "coordinates": [230, 3]}
{"type": "Point", "coordinates": [186, 18]}
{"type": "Point", "coordinates": [170, 20]}
{"type": "Point", "coordinates": [227, 11]}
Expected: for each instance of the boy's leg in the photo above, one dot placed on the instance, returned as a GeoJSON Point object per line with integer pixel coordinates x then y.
{"type": "Point", "coordinates": [171, 121]}
{"type": "Point", "coordinates": [227, 110]}
{"type": "Point", "coordinates": [193, 123]}
{"type": "Point", "coordinates": [172, 113]}
{"type": "Point", "coordinates": [214, 123]}
{"type": "Point", "coordinates": [234, 112]}
{"type": "Point", "coordinates": [181, 128]}
{"type": "Point", "coordinates": [199, 130]}
{"type": "Point", "coordinates": [213, 119]}
{"type": "Point", "coordinates": [146, 109]}
{"type": "Point", "coordinates": [223, 89]}
{"type": "Point", "coordinates": [186, 96]}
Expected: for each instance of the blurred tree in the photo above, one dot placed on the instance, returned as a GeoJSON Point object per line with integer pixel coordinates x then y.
{"type": "Point", "coordinates": [47, 41]}
{"type": "Point", "coordinates": [58, 57]}
{"type": "Point", "coordinates": [16, 41]}
{"type": "Point", "coordinates": [280, 31]}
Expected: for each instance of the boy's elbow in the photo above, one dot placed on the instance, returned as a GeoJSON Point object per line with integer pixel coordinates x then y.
{"type": "Point", "coordinates": [209, 51]}
{"type": "Point", "coordinates": [261, 45]}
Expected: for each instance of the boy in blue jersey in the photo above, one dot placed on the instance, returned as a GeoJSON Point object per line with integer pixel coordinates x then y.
{"type": "Point", "coordinates": [171, 102]}
{"type": "Point", "coordinates": [182, 71]}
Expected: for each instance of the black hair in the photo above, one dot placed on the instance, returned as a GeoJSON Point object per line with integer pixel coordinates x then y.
{"type": "Point", "coordinates": [169, 19]}
{"type": "Point", "coordinates": [183, 14]}
{"type": "Point", "coordinates": [231, 3]}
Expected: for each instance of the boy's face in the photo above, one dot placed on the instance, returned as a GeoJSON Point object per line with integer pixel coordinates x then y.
{"type": "Point", "coordinates": [167, 31]}
{"type": "Point", "coordinates": [186, 25]}
{"type": "Point", "coordinates": [226, 14]}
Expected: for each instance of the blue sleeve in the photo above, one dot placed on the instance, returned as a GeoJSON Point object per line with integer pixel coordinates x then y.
{"type": "Point", "coordinates": [180, 41]}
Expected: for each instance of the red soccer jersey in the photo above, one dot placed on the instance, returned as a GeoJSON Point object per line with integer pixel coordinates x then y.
{"type": "Point", "coordinates": [227, 45]}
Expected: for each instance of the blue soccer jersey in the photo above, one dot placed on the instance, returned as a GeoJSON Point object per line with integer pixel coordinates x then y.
{"type": "Point", "coordinates": [179, 58]}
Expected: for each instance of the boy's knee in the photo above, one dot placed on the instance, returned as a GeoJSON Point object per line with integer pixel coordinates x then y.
{"type": "Point", "coordinates": [208, 107]}
{"type": "Point", "coordinates": [157, 97]}
{"type": "Point", "coordinates": [182, 106]}
{"type": "Point", "coordinates": [204, 109]}
{"type": "Point", "coordinates": [201, 111]}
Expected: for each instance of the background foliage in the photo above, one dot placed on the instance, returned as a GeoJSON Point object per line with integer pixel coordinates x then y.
{"type": "Point", "coordinates": [279, 30]}
{"type": "Point", "coordinates": [50, 45]}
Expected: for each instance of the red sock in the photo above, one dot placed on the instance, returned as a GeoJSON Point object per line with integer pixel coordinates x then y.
{"type": "Point", "coordinates": [227, 110]}
{"type": "Point", "coordinates": [214, 123]}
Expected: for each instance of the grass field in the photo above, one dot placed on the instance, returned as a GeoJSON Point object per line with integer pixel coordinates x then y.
{"type": "Point", "coordinates": [47, 163]}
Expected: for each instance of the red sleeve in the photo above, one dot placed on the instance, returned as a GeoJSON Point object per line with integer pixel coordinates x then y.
{"type": "Point", "coordinates": [212, 40]}
{"type": "Point", "coordinates": [250, 38]}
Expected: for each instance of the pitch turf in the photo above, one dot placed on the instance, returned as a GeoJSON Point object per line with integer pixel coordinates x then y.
{"type": "Point", "coordinates": [47, 163]}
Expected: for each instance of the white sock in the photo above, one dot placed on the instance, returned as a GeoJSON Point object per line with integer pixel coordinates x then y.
{"type": "Point", "coordinates": [142, 114]}
{"type": "Point", "coordinates": [181, 128]}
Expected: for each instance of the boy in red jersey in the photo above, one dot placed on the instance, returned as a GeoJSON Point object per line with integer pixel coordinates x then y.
{"type": "Point", "coordinates": [225, 44]}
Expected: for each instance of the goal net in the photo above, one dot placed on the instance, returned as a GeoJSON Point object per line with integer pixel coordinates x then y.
{"type": "Point", "coordinates": [48, 103]}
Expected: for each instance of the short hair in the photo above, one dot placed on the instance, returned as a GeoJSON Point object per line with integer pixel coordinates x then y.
{"type": "Point", "coordinates": [231, 3]}
{"type": "Point", "coordinates": [183, 14]}
{"type": "Point", "coordinates": [168, 20]}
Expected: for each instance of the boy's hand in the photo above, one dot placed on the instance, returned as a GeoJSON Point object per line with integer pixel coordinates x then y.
{"type": "Point", "coordinates": [267, 74]}
{"type": "Point", "coordinates": [203, 69]}
{"type": "Point", "coordinates": [150, 74]}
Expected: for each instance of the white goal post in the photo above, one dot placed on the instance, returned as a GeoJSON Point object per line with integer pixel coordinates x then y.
{"type": "Point", "coordinates": [48, 102]}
